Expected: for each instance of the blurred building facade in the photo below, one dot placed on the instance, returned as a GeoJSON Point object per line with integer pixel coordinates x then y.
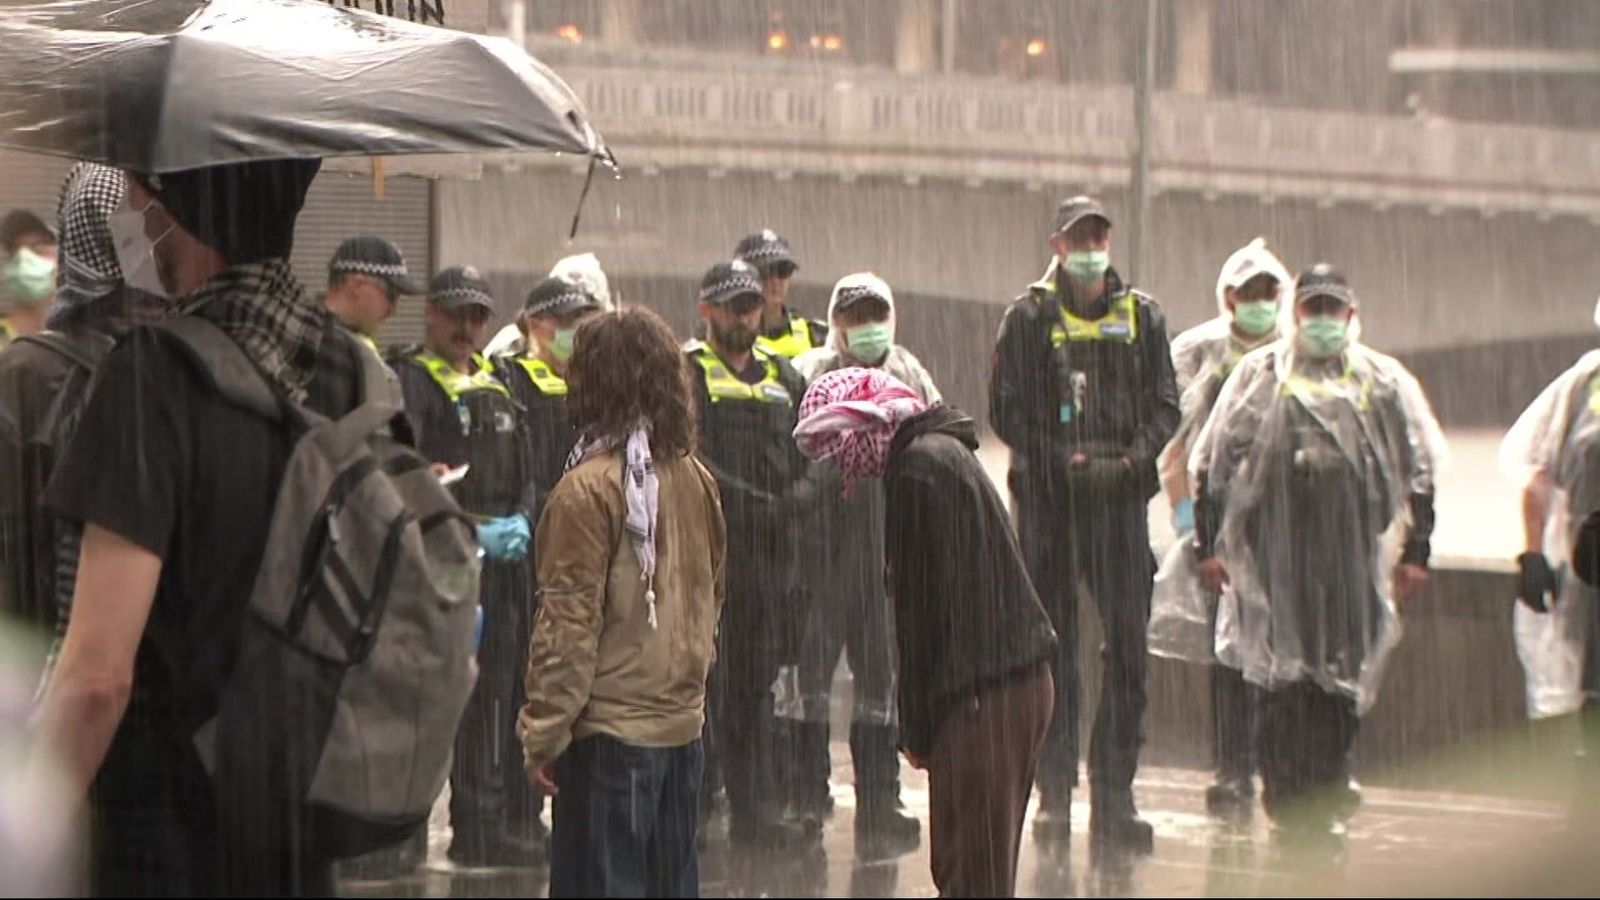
{"type": "Point", "coordinates": [1443, 151]}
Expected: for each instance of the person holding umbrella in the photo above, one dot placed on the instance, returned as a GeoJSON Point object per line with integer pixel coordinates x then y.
{"type": "Point", "coordinates": [174, 525]}
{"type": "Point", "coordinates": [176, 518]}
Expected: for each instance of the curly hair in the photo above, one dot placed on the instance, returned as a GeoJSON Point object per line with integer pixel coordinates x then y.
{"type": "Point", "coordinates": [627, 366]}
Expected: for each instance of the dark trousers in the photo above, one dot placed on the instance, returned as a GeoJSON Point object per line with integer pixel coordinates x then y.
{"type": "Point", "coordinates": [1233, 723]}
{"type": "Point", "coordinates": [157, 830]}
{"type": "Point", "coordinates": [850, 615]}
{"type": "Point", "coordinates": [1305, 740]}
{"type": "Point", "coordinates": [490, 795]}
{"type": "Point", "coordinates": [750, 647]}
{"type": "Point", "coordinates": [624, 821]}
{"type": "Point", "coordinates": [745, 740]}
{"type": "Point", "coordinates": [1102, 540]}
{"type": "Point", "coordinates": [980, 777]}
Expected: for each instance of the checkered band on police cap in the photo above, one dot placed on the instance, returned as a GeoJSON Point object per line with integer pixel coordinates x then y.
{"type": "Point", "coordinates": [724, 281]}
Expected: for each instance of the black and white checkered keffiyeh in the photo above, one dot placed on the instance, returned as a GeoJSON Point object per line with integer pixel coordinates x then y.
{"type": "Point", "coordinates": [88, 269]}
{"type": "Point", "coordinates": [263, 308]}
{"type": "Point", "coordinates": [642, 491]}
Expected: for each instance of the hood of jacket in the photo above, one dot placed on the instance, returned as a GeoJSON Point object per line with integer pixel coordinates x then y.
{"type": "Point", "coordinates": [845, 287]}
{"type": "Point", "coordinates": [1246, 263]}
{"type": "Point", "coordinates": [939, 419]}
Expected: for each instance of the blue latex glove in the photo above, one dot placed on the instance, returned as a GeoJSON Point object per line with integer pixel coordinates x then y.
{"type": "Point", "coordinates": [506, 538]}
{"type": "Point", "coordinates": [477, 631]}
{"type": "Point", "coordinates": [1183, 516]}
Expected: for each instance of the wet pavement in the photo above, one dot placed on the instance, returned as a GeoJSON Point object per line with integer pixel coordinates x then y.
{"type": "Point", "coordinates": [1400, 842]}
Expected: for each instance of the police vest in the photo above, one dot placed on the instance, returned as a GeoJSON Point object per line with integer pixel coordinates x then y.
{"type": "Point", "coordinates": [7, 334]}
{"type": "Point", "coordinates": [455, 383]}
{"type": "Point", "coordinates": [491, 436]}
{"type": "Point", "coordinates": [367, 339]}
{"type": "Point", "coordinates": [1310, 390]}
{"type": "Point", "coordinates": [1120, 324]}
{"type": "Point", "coordinates": [544, 378]}
{"type": "Point", "coordinates": [723, 385]}
{"type": "Point", "coordinates": [792, 344]}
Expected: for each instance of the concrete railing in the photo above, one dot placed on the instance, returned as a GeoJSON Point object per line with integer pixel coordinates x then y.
{"type": "Point", "coordinates": [859, 122]}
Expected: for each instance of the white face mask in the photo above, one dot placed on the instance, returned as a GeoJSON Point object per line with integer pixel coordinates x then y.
{"type": "Point", "coordinates": [136, 253]}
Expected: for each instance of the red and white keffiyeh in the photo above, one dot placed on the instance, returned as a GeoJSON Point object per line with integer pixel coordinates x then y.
{"type": "Point", "coordinates": [851, 415]}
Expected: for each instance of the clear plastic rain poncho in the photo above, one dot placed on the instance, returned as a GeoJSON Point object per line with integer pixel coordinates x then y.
{"type": "Point", "coordinates": [1181, 614]}
{"type": "Point", "coordinates": [1313, 464]}
{"type": "Point", "coordinates": [1558, 435]}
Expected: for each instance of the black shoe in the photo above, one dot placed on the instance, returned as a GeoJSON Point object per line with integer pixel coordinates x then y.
{"type": "Point", "coordinates": [813, 805]}
{"type": "Point", "coordinates": [1122, 829]}
{"type": "Point", "coordinates": [885, 831]}
{"type": "Point", "coordinates": [1052, 822]}
{"type": "Point", "coordinates": [1229, 796]}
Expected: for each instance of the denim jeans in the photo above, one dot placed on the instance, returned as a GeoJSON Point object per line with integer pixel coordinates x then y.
{"type": "Point", "coordinates": [624, 820]}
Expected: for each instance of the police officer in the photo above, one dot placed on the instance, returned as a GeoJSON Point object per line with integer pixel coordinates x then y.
{"type": "Point", "coordinates": [465, 416]}
{"type": "Point", "coordinates": [1314, 479]}
{"type": "Point", "coordinates": [537, 375]}
{"type": "Point", "coordinates": [748, 398]}
{"type": "Point", "coordinates": [367, 276]}
{"type": "Point", "coordinates": [1083, 394]}
{"type": "Point", "coordinates": [785, 333]}
{"type": "Point", "coordinates": [1249, 293]}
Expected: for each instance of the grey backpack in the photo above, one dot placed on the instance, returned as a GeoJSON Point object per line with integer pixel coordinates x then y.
{"type": "Point", "coordinates": [357, 655]}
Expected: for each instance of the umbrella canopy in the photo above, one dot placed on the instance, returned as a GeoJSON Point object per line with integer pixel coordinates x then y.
{"type": "Point", "coordinates": [165, 85]}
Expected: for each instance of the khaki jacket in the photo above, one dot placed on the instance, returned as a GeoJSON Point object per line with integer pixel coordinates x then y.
{"type": "Point", "coordinates": [595, 666]}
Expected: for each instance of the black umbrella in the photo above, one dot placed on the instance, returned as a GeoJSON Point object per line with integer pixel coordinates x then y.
{"type": "Point", "coordinates": [165, 85]}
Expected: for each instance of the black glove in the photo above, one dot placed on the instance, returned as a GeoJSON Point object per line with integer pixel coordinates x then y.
{"type": "Point", "coordinates": [1535, 582]}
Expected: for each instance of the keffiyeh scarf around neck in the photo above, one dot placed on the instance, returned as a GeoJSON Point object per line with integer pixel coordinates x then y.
{"type": "Point", "coordinates": [263, 308]}
{"type": "Point", "coordinates": [642, 491]}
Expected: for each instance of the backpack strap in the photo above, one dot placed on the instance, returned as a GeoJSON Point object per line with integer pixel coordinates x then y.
{"type": "Point", "coordinates": [224, 365]}
{"type": "Point", "coordinates": [64, 346]}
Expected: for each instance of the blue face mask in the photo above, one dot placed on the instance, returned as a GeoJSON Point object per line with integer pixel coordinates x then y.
{"type": "Point", "coordinates": [868, 343]}
{"type": "Point", "coordinates": [1324, 335]}
{"type": "Point", "coordinates": [561, 345]}
{"type": "Point", "coordinates": [29, 278]}
{"type": "Point", "coordinates": [1255, 317]}
{"type": "Point", "coordinates": [1086, 266]}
